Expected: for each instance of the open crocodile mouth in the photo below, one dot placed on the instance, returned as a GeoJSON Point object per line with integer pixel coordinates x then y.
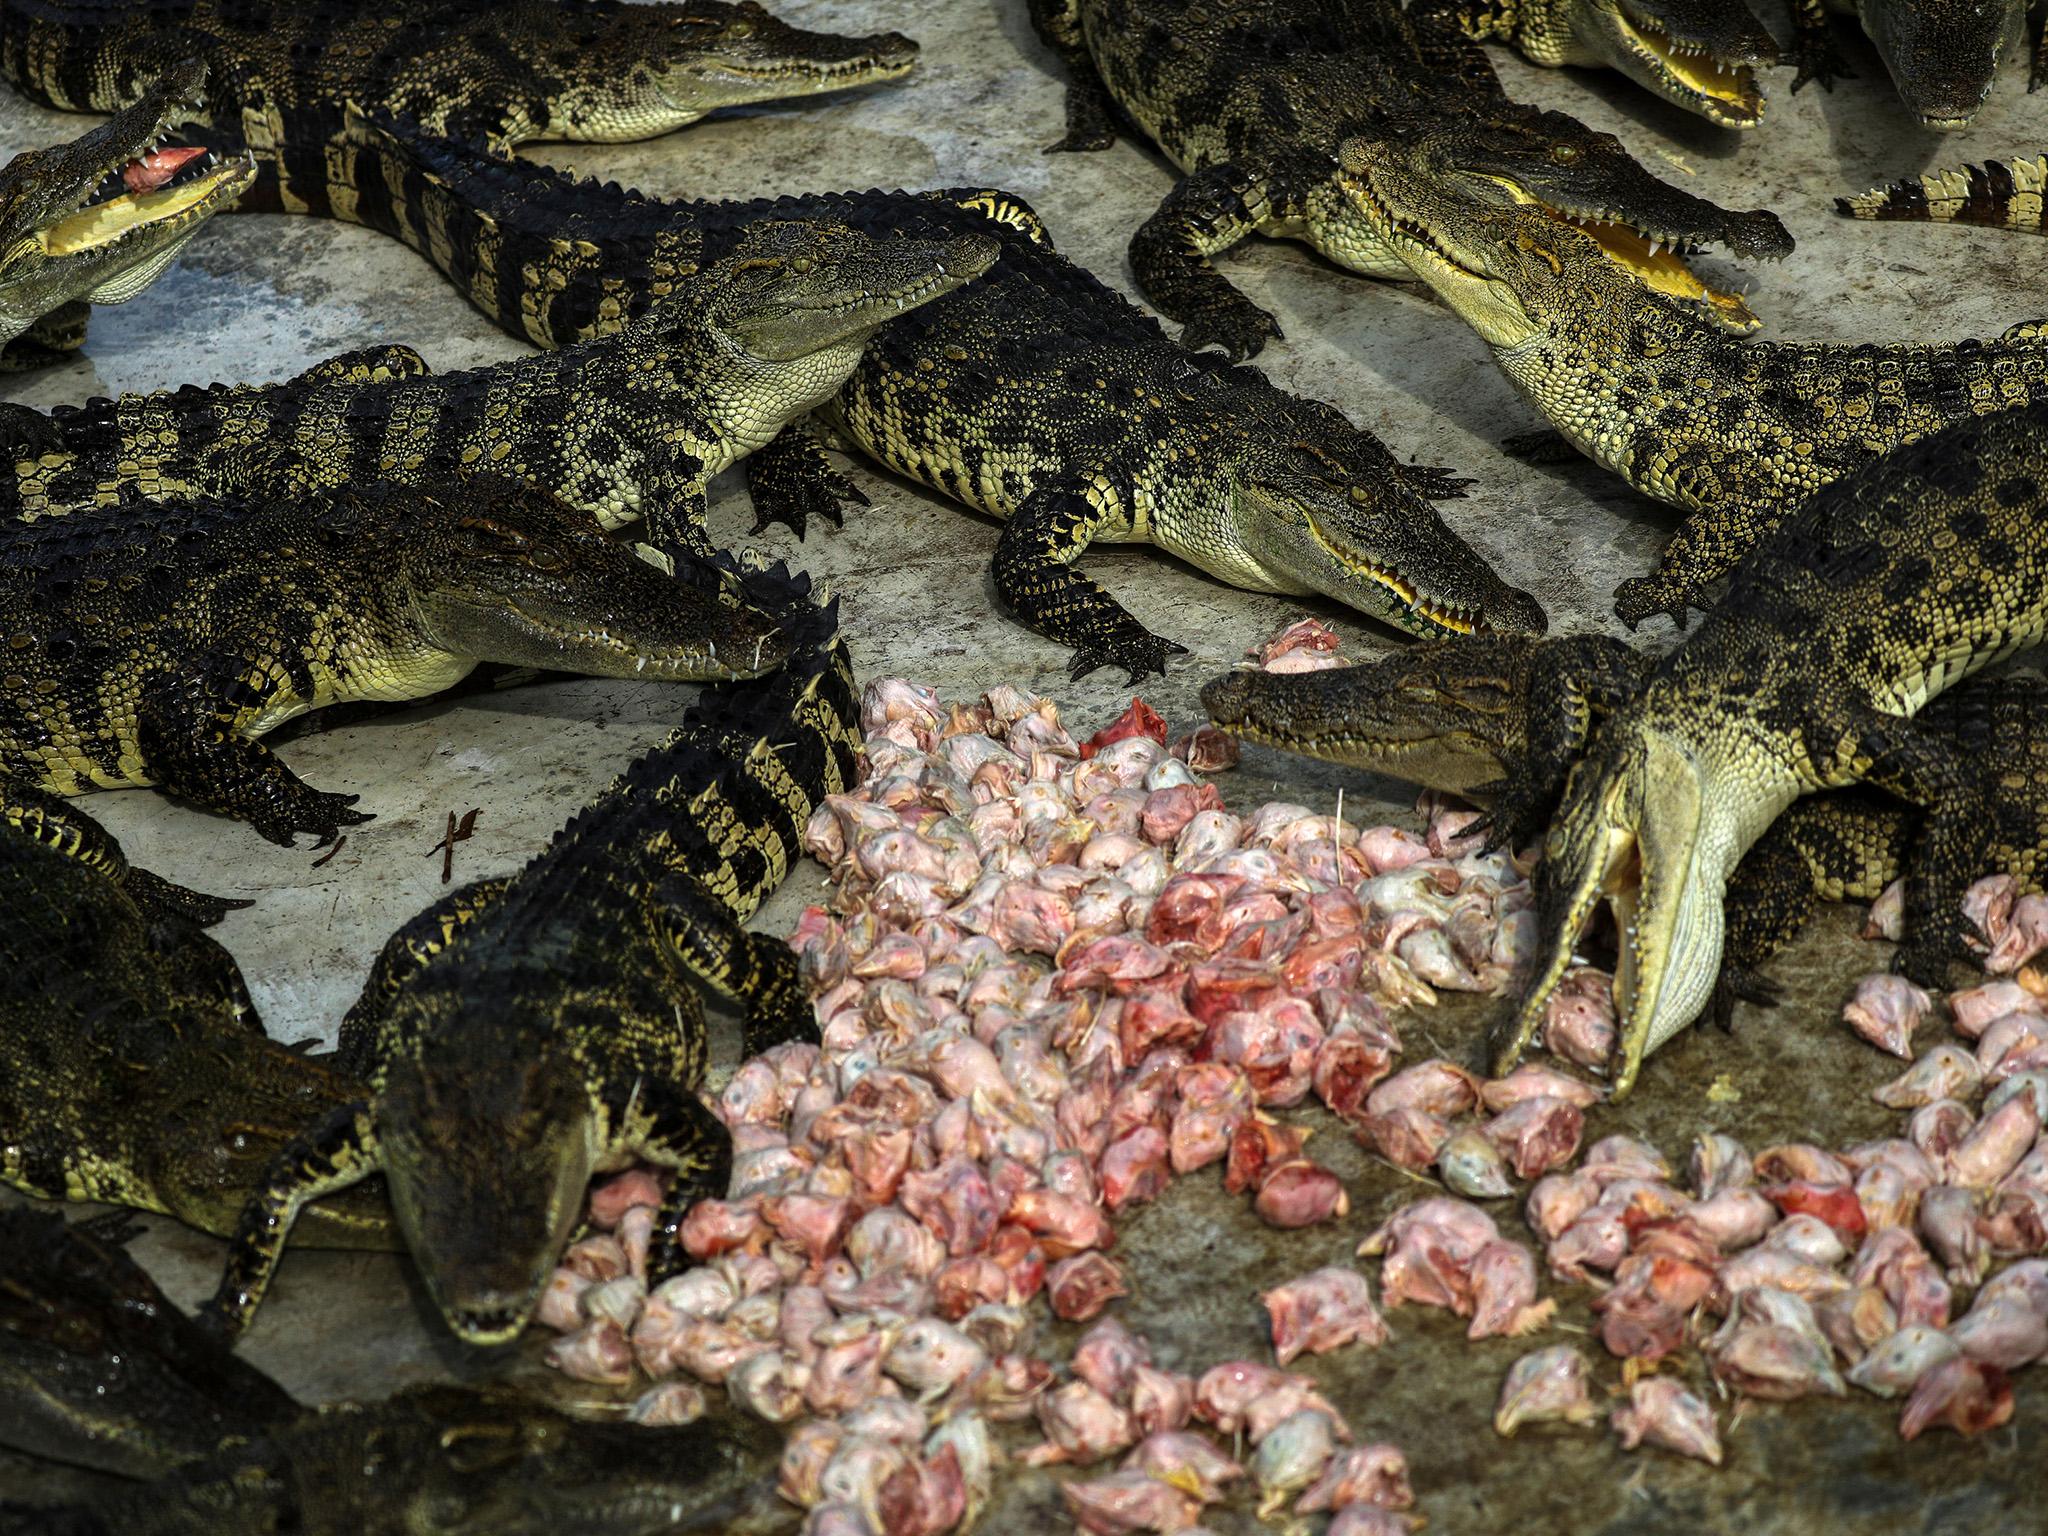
{"type": "Point", "coordinates": [158, 190]}
{"type": "Point", "coordinates": [1692, 74]}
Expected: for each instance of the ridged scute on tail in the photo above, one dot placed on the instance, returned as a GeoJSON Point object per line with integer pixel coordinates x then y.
{"type": "Point", "coordinates": [2000, 194]}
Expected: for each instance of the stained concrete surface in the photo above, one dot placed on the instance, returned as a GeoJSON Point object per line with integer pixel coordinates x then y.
{"type": "Point", "coordinates": [264, 296]}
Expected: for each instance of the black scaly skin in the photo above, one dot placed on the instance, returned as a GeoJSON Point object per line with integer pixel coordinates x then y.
{"type": "Point", "coordinates": [520, 1036]}
{"type": "Point", "coordinates": [98, 1368]}
{"type": "Point", "coordinates": [1033, 394]}
{"type": "Point", "coordinates": [154, 642]}
{"type": "Point", "coordinates": [1999, 194]}
{"type": "Point", "coordinates": [1504, 721]}
{"type": "Point", "coordinates": [477, 1460]}
{"type": "Point", "coordinates": [71, 233]}
{"type": "Point", "coordinates": [1942, 55]}
{"type": "Point", "coordinates": [1252, 100]}
{"type": "Point", "coordinates": [630, 424]}
{"type": "Point", "coordinates": [1883, 591]}
{"type": "Point", "coordinates": [502, 71]}
{"type": "Point", "coordinates": [132, 1069]}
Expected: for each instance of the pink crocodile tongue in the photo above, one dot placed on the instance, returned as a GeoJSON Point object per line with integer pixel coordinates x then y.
{"type": "Point", "coordinates": [156, 168]}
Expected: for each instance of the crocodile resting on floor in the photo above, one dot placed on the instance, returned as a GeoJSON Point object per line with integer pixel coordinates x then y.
{"type": "Point", "coordinates": [1034, 394]}
{"type": "Point", "coordinates": [97, 220]}
{"type": "Point", "coordinates": [1999, 194]}
{"type": "Point", "coordinates": [452, 1460]}
{"type": "Point", "coordinates": [133, 1069]}
{"type": "Point", "coordinates": [1252, 101]}
{"type": "Point", "coordinates": [153, 643]}
{"type": "Point", "coordinates": [98, 1368]}
{"type": "Point", "coordinates": [1701, 54]}
{"type": "Point", "coordinates": [523, 1034]}
{"type": "Point", "coordinates": [1735, 433]}
{"type": "Point", "coordinates": [1892, 585]}
{"type": "Point", "coordinates": [1942, 55]}
{"type": "Point", "coordinates": [1503, 720]}
{"type": "Point", "coordinates": [503, 71]}
{"type": "Point", "coordinates": [631, 424]}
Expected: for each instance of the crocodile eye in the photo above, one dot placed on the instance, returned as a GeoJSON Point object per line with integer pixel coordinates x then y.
{"type": "Point", "coordinates": [1565, 154]}
{"type": "Point", "coordinates": [800, 263]}
{"type": "Point", "coordinates": [238, 1138]}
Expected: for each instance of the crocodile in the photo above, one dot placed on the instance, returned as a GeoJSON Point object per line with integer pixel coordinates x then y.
{"type": "Point", "coordinates": [1503, 721]}
{"type": "Point", "coordinates": [1252, 101]}
{"type": "Point", "coordinates": [487, 1460]}
{"type": "Point", "coordinates": [153, 643]}
{"type": "Point", "coordinates": [99, 1368]}
{"type": "Point", "coordinates": [1734, 433]}
{"type": "Point", "coordinates": [504, 71]}
{"type": "Point", "coordinates": [97, 220]}
{"type": "Point", "coordinates": [631, 424]}
{"type": "Point", "coordinates": [519, 1036]}
{"type": "Point", "coordinates": [1999, 194]}
{"type": "Point", "coordinates": [1700, 54]}
{"type": "Point", "coordinates": [1890, 586]}
{"type": "Point", "coordinates": [1033, 394]}
{"type": "Point", "coordinates": [1942, 55]}
{"type": "Point", "coordinates": [133, 1068]}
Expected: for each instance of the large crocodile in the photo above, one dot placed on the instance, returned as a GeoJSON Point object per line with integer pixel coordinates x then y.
{"type": "Point", "coordinates": [504, 71]}
{"type": "Point", "coordinates": [97, 220]}
{"type": "Point", "coordinates": [631, 424]}
{"type": "Point", "coordinates": [1503, 720]}
{"type": "Point", "coordinates": [1253, 100]}
{"type": "Point", "coordinates": [451, 1461]}
{"type": "Point", "coordinates": [132, 1069]}
{"type": "Point", "coordinates": [521, 1035]}
{"type": "Point", "coordinates": [1735, 433]}
{"type": "Point", "coordinates": [1942, 55]}
{"type": "Point", "coordinates": [153, 643]}
{"type": "Point", "coordinates": [1701, 54]}
{"type": "Point", "coordinates": [1890, 586]}
{"type": "Point", "coordinates": [1034, 394]}
{"type": "Point", "coordinates": [1999, 194]}
{"type": "Point", "coordinates": [98, 1368]}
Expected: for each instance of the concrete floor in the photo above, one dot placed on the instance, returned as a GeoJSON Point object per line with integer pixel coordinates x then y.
{"type": "Point", "coordinates": [262, 297]}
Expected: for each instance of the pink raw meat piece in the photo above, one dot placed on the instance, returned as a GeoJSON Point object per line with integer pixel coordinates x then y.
{"type": "Point", "coordinates": [1579, 1021]}
{"type": "Point", "coordinates": [1160, 1399]}
{"type": "Point", "coordinates": [1945, 1072]}
{"type": "Point", "coordinates": [1213, 1100]}
{"type": "Point", "coordinates": [1531, 1080]}
{"type": "Point", "coordinates": [1974, 1010]}
{"type": "Point", "coordinates": [931, 1357]}
{"type": "Point", "coordinates": [1438, 1087]}
{"type": "Point", "coordinates": [924, 1498]}
{"type": "Point", "coordinates": [1374, 1475]}
{"type": "Point", "coordinates": [1322, 1311]}
{"type": "Point", "coordinates": [955, 1202]}
{"type": "Point", "coordinates": [1186, 1459]}
{"type": "Point", "coordinates": [1347, 1066]}
{"type": "Point", "coordinates": [1083, 1285]}
{"type": "Point", "coordinates": [1107, 1355]}
{"type": "Point", "coordinates": [1062, 1225]}
{"type": "Point", "coordinates": [1733, 1218]}
{"type": "Point", "coordinates": [561, 1304]}
{"type": "Point", "coordinates": [2024, 938]}
{"type": "Point", "coordinates": [597, 1352]}
{"type": "Point", "coordinates": [1537, 1134]}
{"type": "Point", "coordinates": [1547, 1386]}
{"type": "Point", "coordinates": [1885, 1010]}
{"type": "Point", "coordinates": [1256, 1145]}
{"type": "Point", "coordinates": [1504, 1293]}
{"type": "Point", "coordinates": [713, 1227]}
{"type": "Point", "coordinates": [1997, 1143]}
{"type": "Point", "coordinates": [1125, 1502]}
{"type": "Point", "coordinates": [1962, 1394]}
{"type": "Point", "coordinates": [2007, 1324]}
{"type": "Point", "coordinates": [1661, 1412]}
{"type": "Point", "coordinates": [1558, 1199]}
{"type": "Point", "coordinates": [1300, 1193]}
{"type": "Point", "coordinates": [1720, 1162]}
{"type": "Point", "coordinates": [610, 1200]}
{"type": "Point", "coordinates": [1407, 1138]}
{"type": "Point", "coordinates": [1134, 1168]}
{"type": "Point", "coordinates": [1644, 1316]}
{"type": "Point", "coordinates": [1080, 1426]}
{"type": "Point", "coordinates": [1624, 1157]}
{"type": "Point", "coordinates": [1894, 1364]}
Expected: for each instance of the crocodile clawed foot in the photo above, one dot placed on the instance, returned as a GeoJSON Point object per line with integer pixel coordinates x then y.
{"type": "Point", "coordinates": [314, 811]}
{"type": "Point", "coordinates": [1820, 61]}
{"type": "Point", "coordinates": [1434, 483]}
{"type": "Point", "coordinates": [1643, 597]}
{"type": "Point", "coordinates": [826, 494]}
{"type": "Point", "coordinates": [1925, 963]}
{"type": "Point", "coordinates": [1140, 656]}
{"type": "Point", "coordinates": [1238, 331]}
{"type": "Point", "coordinates": [1739, 984]}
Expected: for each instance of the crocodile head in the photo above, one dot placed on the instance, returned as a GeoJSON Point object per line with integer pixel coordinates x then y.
{"type": "Point", "coordinates": [487, 1158]}
{"type": "Point", "coordinates": [1511, 271]}
{"type": "Point", "coordinates": [1701, 54]}
{"type": "Point", "coordinates": [657, 68]}
{"type": "Point", "coordinates": [1942, 54]}
{"type": "Point", "coordinates": [502, 572]}
{"type": "Point", "coordinates": [1524, 154]}
{"type": "Point", "coordinates": [1319, 509]}
{"type": "Point", "coordinates": [1448, 714]}
{"type": "Point", "coordinates": [101, 217]}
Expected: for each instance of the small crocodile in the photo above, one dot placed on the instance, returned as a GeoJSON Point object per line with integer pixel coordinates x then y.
{"type": "Point", "coordinates": [1999, 194]}
{"type": "Point", "coordinates": [1503, 721]}
{"type": "Point", "coordinates": [504, 71]}
{"type": "Point", "coordinates": [153, 643]}
{"type": "Point", "coordinates": [519, 1036]}
{"type": "Point", "coordinates": [630, 424]}
{"type": "Point", "coordinates": [1735, 433]}
{"type": "Point", "coordinates": [97, 220]}
{"type": "Point", "coordinates": [98, 1368]}
{"type": "Point", "coordinates": [133, 1069]}
{"type": "Point", "coordinates": [1892, 585]}
{"type": "Point", "coordinates": [1034, 394]}
{"type": "Point", "coordinates": [1253, 100]}
{"type": "Point", "coordinates": [1701, 54]}
{"type": "Point", "coordinates": [451, 1461]}
{"type": "Point", "coordinates": [1942, 55]}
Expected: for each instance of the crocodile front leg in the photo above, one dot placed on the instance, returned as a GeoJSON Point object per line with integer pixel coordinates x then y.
{"type": "Point", "coordinates": [1736, 515]}
{"type": "Point", "coordinates": [1577, 682]}
{"type": "Point", "coordinates": [1770, 898]}
{"type": "Point", "coordinates": [791, 480]}
{"type": "Point", "coordinates": [1091, 113]}
{"type": "Point", "coordinates": [1210, 211]}
{"type": "Point", "coordinates": [191, 745]}
{"type": "Point", "coordinates": [418, 940]}
{"type": "Point", "coordinates": [756, 971]}
{"type": "Point", "coordinates": [1813, 47]}
{"type": "Point", "coordinates": [678, 1133]}
{"type": "Point", "coordinates": [1035, 577]}
{"type": "Point", "coordinates": [340, 1151]}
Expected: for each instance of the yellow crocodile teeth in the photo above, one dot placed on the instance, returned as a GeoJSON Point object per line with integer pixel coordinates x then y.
{"type": "Point", "coordinates": [104, 223]}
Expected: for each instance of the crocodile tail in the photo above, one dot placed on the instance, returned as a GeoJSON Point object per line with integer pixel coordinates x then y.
{"type": "Point", "coordinates": [2000, 194]}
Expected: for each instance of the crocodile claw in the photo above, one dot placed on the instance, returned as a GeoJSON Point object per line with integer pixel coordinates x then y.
{"type": "Point", "coordinates": [1239, 331]}
{"type": "Point", "coordinates": [1820, 61]}
{"type": "Point", "coordinates": [1641, 597]}
{"type": "Point", "coordinates": [1140, 656]}
{"type": "Point", "coordinates": [1739, 984]}
{"type": "Point", "coordinates": [315, 811]}
{"type": "Point", "coordinates": [825, 494]}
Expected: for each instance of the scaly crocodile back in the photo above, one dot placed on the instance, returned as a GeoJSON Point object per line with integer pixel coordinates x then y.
{"type": "Point", "coordinates": [1999, 194]}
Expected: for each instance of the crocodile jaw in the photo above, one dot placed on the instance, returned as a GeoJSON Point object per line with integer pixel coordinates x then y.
{"type": "Point", "coordinates": [1719, 88]}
